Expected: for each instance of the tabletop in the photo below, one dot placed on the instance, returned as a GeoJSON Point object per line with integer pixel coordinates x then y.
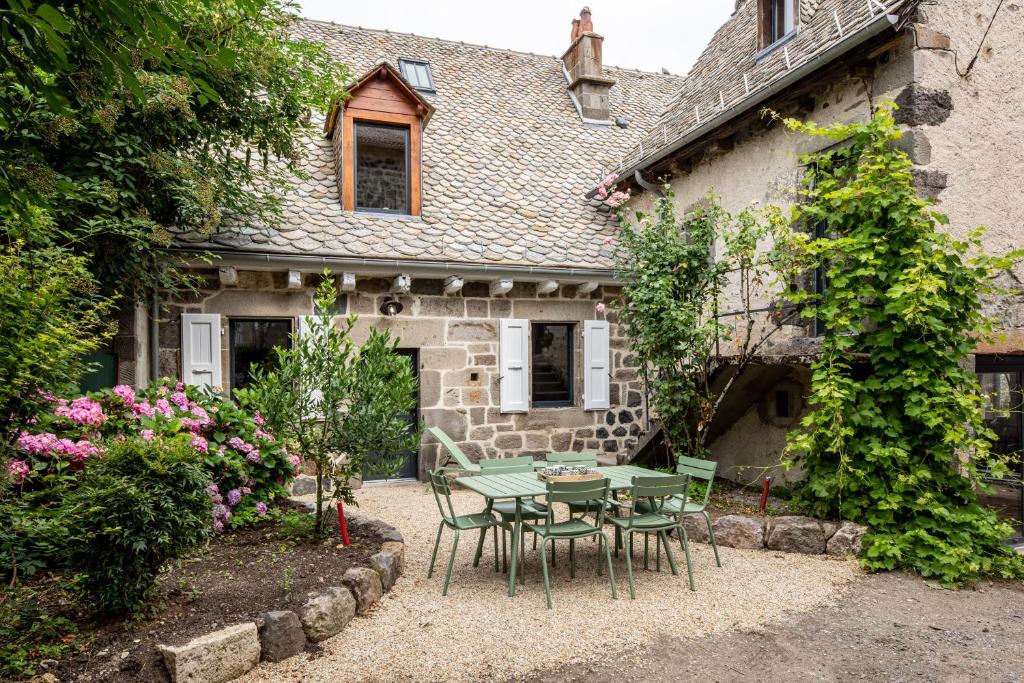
{"type": "Point", "coordinates": [526, 484]}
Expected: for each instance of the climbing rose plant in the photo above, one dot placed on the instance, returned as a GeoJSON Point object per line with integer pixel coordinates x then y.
{"type": "Point", "coordinates": [896, 438]}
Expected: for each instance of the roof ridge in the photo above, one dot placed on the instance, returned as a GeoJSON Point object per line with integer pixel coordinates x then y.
{"type": "Point", "coordinates": [463, 43]}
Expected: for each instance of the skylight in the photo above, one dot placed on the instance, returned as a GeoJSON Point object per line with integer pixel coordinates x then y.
{"type": "Point", "coordinates": [417, 72]}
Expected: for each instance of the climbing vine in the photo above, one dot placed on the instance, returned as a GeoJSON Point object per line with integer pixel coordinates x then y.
{"type": "Point", "coordinates": [896, 438]}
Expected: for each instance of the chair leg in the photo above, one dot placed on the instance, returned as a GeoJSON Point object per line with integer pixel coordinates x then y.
{"type": "Point", "coordinates": [495, 535]}
{"type": "Point", "coordinates": [554, 556]}
{"type": "Point", "coordinates": [544, 566]}
{"type": "Point", "coordinates": [611, 572]}
{"type": "Point", "coordinates": [437, 542]}
{"type": "Point", "coordinates": [451, 563]}
{"type": "Point", "coordinates": [630, 543]}
{"type": "Point", "coordinates": [572, 558]}
{"type": "Point", "coordinates": [629, 568]}
{"type": "Point", "coordinates": [711, 535]}
{"type": "Point", "coordinates": [480, 547]}
{"type": "Point", "coordinates": [668, 551]}
{"type": "Point", "coordinates": [657, 551]}
{"type": "Point", "coordinates": [598, 537]}
{"type": "Point", "coordinates": [522, 554]}
{"type": "Point", "coordinates": [504, 551]}
{"type": "Point", "coordinates": [647, 538]}
{"type": "Point", "coordinates": [686, 550]}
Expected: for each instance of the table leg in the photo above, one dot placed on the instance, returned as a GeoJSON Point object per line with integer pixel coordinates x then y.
{"type": "Point", "coordinates": [480, 542]}
{"type": "Point", "coordinates": [517, 531]}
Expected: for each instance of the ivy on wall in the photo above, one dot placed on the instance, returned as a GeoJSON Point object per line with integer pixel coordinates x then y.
{"type": "Point", "coordinates": [896, 442]}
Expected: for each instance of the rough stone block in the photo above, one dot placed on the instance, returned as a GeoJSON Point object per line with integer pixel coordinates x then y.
{"type": "Point", "coordinates": [443, 358]}
{"type": "Point", "coordinates": [561, 441]}
{"type": "Point", "coordinates": [481, 433]}
{"type": "Point", "coordinates": [453, 422]}
{"type": "Point", "coordinates": [537, 440]}
{"type": "Point", "coordinates": [388, 567]}
{"type": "Point", "coordinates": [476, 308]}
{"type": "Point", "coordinates": [214, 658]}
{"type": "Point", "coordinates": [442, 307]}
{"type": "Point", "coordinates": [325, 614]}
{"type": "Point", "coordinates": [365, 585]}
{"type": "Point", "coordinates": [696, 528]}
{"type": "Point", "coordinates": [797, 534]}
{"type": "Point", "coordinates": [920, 106]}
{"type": "Point", "coordinates": [281, 636]}
{"type": "Point", "coordinates": [475, 397]}
{"type": "Point", "coordinates": [847, 540]}
{"type": "Point", "coordinates": [472, 330]}
{"type": "Point", "coordinates": [485, 360]}
{"type": "Point", "coordinates": [553, 418]}
{"type": "Point", "coordinates": [739, 531]}
{"type": "Point", "coordinates": [509, 441]}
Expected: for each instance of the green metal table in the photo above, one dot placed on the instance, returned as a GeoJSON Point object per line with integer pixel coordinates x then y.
{"type": "Point", "coordinates": [526, 485]}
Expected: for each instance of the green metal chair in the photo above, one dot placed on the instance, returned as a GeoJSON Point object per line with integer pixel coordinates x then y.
{"type": "Point", "coordinates": [588, 458]}
{"type": "Point", "coordinates": [464, 463]}
{"type": "Point", "coordinates": [570, 492]}
{"type": "Point", "coordinates": [481, 520]}
{"type": "Point", "coordinates": [699, 470]}
{"type": "Point", "coordinates": [506, 509]}
{"type": "Point", "coordinates": [655, 492]}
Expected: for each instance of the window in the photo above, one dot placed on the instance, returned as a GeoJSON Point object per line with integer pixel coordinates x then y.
{"type": "Point", "coordinates": [252, 345]}
{"type": "Point", "coordinates": [551, 356]}
{"type": "Point", "coordinates": [1002, 385]}
{"type": "Point", "coordinates": [418, 73]}
{"type": "Point", "coordinates": [382, 168]}
{"type": "Point", "coordinates": [778, 20]}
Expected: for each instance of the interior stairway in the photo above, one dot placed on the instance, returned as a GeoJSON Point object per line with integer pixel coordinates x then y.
{"type": "Point", "coordinates": [548, 383]}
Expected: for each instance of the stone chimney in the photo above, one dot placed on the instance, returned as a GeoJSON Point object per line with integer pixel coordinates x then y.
{"type": "Point", "coordinates": [582, 61]}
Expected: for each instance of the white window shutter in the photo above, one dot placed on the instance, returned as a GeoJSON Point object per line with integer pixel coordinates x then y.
{"type": "Point", "coordinates": [200, 349]}
{"type": "Point", "coordinates": [596, 360]}
{"type": "Point", "coordinates": [514, 356]}
{"type": "Point", "coordinates": [310, 325]}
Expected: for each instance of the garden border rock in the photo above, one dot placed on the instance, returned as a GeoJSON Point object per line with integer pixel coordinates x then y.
{"type": "Point", "coordinates": [784, 533]}
{"type": "Point", "coordinates": [278, 635]}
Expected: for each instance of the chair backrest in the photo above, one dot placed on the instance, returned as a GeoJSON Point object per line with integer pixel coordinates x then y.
{"type": "Point", "coordinates": [442, 489]}
{"type": "Point", "coordinates": [657, 489]}
{"type": "Point", "coordinates": [451, 447]}
{"type": "Point", "coordinates": [593, 493]}
{"type": "Point", "coordinates": [703, 470]}
{"type": "Point", "coordinates": [573, 458]}
{"type": "Point", "coordinates": [523, 463]}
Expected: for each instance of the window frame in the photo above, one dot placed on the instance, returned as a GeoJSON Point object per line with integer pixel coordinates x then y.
{"type": "Point", "coordinates": [570, 363]}
{"type": "Point", "coordinates": [767, 42]}
{"type": "Point", "coordinates": [407, 210]}
{"type": "Point", "coordinates": [292, 327]}
{"type": "Point", "coordinates": [403, 61]}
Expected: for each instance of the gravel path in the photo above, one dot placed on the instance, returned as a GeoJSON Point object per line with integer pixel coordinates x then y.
{"type": "Point", "coordinates": [478, 633]}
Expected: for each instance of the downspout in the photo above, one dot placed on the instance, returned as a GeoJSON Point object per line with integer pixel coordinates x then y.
{"type": "Point", "coordinates": [650, 187]}
{"type": "Point", "coordinates": [154, 336]}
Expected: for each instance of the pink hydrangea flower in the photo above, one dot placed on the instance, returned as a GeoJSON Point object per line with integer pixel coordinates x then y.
{"type": "Point", "coordinates": [200, 444]}
{"type": "Point", "coordinates": [125, 393]}
{"type": "Point", "coordinates": [218, 525]}
{"type": "Point", "coordinates": [600, 308]}
{"type": "Point", "coordinates": [261, 508]}
{"type": "Point", "coordinates": [266, 436]}
{"type": "Point", "coordinates": [37, 444]}
{"type": "Point", "coordinates": [178, 386]}
{"type": "Point", "coordinates": [148, 435]}
{"type": "Point", "coordinates": [143, 408]}
{"type": "Point", "coordinates": [179, 399]}
{"type": "Point", "coordinates": [234, 495]}
{"type": "Point", "coordinates": [258, 419]}
{"type": "Point", "coordinates": [213, 489]}
{"type": "Point", "coordinates": [82, 410]}
{"type": "Point", "coordinates": [253, 456]}
{"type": "Point", "coordinates": [163, 407]}
{"type": "Point", "coordinates": [17, 470]}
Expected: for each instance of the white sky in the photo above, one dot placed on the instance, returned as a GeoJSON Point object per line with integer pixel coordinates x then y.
{"type": "Point", "coordinates": [644, 34]}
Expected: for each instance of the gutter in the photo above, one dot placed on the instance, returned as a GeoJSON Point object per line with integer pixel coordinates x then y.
{"type": "Point", "coordinates": [877, 25]}
{"type": "Point", "coordinates": [388, 267]}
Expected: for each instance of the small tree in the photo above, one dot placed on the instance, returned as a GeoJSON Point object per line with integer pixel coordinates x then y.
{"type": "Point", "coordinates": [903, 448]}
{"type": "Point", "coordinates": [691, 315]}
{"type": "Point", "coordinates": [342, 406]}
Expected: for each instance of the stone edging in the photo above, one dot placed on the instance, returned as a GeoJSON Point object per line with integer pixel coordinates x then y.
{"type": "Point", "coordinates": [789, 533]}
{"type": "Point", "coordinates": [230, 652]}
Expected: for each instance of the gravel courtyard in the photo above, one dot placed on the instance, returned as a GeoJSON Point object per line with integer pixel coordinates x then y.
{"type": "Point", "coordinates": [477, 633]}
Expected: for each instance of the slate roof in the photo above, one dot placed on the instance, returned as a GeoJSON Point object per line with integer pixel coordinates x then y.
{"type": "Point", "coordinates": [716, 82]}
{"type": "Point", "coordinates": [506, 162]}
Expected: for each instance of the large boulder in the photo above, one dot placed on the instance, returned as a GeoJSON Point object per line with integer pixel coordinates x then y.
{"type": "Point", "coordinates": [214, 658]}
{"type": "Point", "coordinates": [846, 542]}
{"type": "Point", "coordinates": [365, 585]}
{"type": "Point", "coordinates": [281, 636]}
{"type": "Point", "coordinates": [739, 531]}
{"type": "Point", "coordinates": [696, 528]}
{"type": "Point", "coordinates": [388, 563]}
{"type": "Point", "coordinates": [325, 614]}
{"type": "Point", "coordinates": [797, 534]}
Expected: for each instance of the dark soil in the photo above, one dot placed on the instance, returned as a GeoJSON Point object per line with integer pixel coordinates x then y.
{"type": "Point", "coordinates": [889, 627]}
{"type": "Point", "coordinates": [241, 575]}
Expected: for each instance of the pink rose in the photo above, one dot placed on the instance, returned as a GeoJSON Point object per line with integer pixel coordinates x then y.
{"type": "Point", "coordinates": [600, 308]}
{"type": "Point", "coordinates": [607, 240]}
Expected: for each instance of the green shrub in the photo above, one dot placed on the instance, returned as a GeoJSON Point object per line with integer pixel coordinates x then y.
{"type": "Point", "coordinates": [142, 504]}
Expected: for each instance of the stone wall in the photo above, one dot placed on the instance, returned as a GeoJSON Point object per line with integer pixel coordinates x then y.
{"type": "Point", "coordinates": [457, 339]}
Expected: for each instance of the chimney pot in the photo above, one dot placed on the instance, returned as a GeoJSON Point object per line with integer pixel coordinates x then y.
{"type": "Point", "coordinates": [589, 85]}
{"type": "Point", "coordinates": [575, 31]}
{"type": "Point", "coordinates": [586, 24]}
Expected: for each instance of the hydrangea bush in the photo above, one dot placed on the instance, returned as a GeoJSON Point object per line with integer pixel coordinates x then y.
{"type": "Point", "coordinates": [249, 467]}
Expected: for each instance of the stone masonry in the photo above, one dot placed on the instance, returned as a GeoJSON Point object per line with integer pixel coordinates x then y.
{"type": "Point", "coordinates": [457, 339]}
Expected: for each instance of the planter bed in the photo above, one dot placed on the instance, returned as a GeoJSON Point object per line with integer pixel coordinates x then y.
{"type": "Point", "coordinates": [240, 576]}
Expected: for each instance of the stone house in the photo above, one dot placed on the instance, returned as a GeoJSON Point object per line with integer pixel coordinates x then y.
{"type": "Point", "coordinates": [447, 196]}
{"type": "Point", "coordinates": [952, 66]}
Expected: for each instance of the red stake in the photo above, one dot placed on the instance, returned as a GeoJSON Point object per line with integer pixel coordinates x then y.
{"type": "Point", "coordinates": [764, 493]}
{"type": "Point", "coordinates": [343, 526]}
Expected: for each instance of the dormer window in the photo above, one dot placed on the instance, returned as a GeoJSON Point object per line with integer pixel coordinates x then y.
{"type": "Point", "coordinates": [377, 135]}
{"type": "Point", "coordinates": [777, 20]}
{"type": "Point", "coordinates": [417, 72]}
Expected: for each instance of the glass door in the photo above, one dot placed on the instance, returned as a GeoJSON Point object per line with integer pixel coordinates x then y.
{"type": "Point", "coordinates": [1002, 382]}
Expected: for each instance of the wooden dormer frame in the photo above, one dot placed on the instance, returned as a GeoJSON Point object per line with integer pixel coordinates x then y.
{"type": "Point", "coordinates": [381, 96]}
{"type": "Point", "coordinates": [764, 23]}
